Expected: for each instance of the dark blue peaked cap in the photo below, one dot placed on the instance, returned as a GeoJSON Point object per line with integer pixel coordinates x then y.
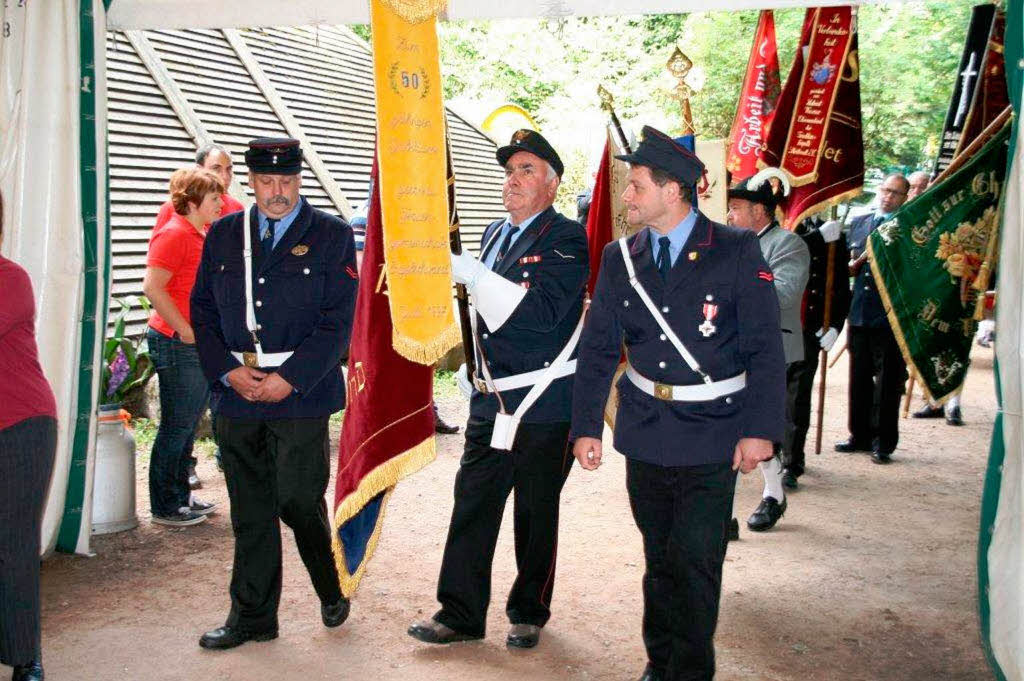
{"type": "Point", "coordinates": [274, 156]}
{"type": "Point", "coordinates": [658, 150]}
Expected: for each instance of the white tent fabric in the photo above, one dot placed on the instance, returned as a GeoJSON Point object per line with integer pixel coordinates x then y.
{"type": "Point", "coordinates": [40, 170]}
{"type": "Point", "coordinates": [143, 14]}
{"type": "Point", "coordinates": [1000, 555]}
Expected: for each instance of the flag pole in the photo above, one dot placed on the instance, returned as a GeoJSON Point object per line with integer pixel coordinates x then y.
{"type": "Point", "coordinates": [607, 103]}
{"type": "Point", "coordinates": [826, 321]}
{"type": "Point", "coordinates": [455, 243]}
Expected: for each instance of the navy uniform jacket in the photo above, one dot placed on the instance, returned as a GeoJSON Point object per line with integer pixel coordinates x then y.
{"type": "Point", "coordinates": [550, 260]}
{"type": "Point", "coordinates": [727, 270]}
{"type": "Point", "coordinates": [307, 298]}
{"type": "Point", "coordinates": [866, 307]}
{"type": "Point", "coordinates": [814, 300]}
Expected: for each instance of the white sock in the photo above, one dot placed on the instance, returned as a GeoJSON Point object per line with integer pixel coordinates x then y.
{"type": "Point", "coordinates": [772, 471]}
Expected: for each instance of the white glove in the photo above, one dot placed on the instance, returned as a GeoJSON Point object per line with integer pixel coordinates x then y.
{"type": "Point", "coordinates": [462, 380]}
{"type": "Point", "coordinates": [466, 269]}
{"type": "Point", "coordinates": [831, 230]}
{"type": "Point", "coordinates": [826, 339]}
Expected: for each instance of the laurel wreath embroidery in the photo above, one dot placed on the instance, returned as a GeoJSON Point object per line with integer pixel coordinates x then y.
{"type": "Point", "coordinates": [963, 250]}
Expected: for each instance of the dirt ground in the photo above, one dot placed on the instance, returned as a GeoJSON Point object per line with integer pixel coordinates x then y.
{"type": "Point", "coordinates": [870, 576]}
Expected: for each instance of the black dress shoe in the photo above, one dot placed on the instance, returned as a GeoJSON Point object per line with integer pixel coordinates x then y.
{"type": "Point", "coordinates": [432, 631]}
{"type": "Point", "coordinates": [878, 456]}
{"type": "Point", "coordinates": [851, 446]}
{"type": "Point", "coordinates": [523, 636]}
{"type": "Point", "coordinates": [230, 637]}
{"type": "Point", "coordinates": [441, 427]}
{"type": "Point", "coordinates": [650, 674]}
{"type": "Point", "coordinates": [734, 530]}
{"type": "Point", "coordinates": [335, 615]}
{"type": "Point", "coordinates": [33, 671]}
{"type": "Point", "coordinates": [954, 417]}
{"type": "Point", "coordinates": [928, 412]}
{"type": "Point", "coordinates": [789, 479]}
{"type": "Point", "coordinates": [766, 514]}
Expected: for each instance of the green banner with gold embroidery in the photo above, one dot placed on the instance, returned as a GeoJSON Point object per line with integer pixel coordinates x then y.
{"type": "Point", "coordinates": [927, 260]}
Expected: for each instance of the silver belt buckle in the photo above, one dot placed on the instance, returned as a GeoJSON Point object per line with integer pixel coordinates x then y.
{"type": "Point", "coordinates": [663, 391]}
{"type": "Point", "coordinates": [250, 359]}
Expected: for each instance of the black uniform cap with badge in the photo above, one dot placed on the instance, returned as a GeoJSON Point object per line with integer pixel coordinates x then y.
{"type": "Point", "coordinates": [274, 156]}
{"type": "Point", "coordinates": [658, 150]}
{"type": "Point", "coordinates": [759, 188]}
{"type": "Point", "coordinates": [533, 142]}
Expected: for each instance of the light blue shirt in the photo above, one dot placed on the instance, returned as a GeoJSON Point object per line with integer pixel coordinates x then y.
{"type": "Point", "coordinates": [676, 238]}
{"type": "Point", "coordinates": [282, 225]}
{"type": "Point", "coordinates": [492, 253]}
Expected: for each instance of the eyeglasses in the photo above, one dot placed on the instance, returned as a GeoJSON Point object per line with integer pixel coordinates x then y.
{"type": "Point", "coordinates": [895, 192]}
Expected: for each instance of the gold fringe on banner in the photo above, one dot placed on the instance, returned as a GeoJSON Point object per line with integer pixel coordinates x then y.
{"type": "Point", "coordinates": [380, 479]}
{"type": "Point", "coordinates": [426, 353]}
{"type": "Point", "coordinates": [416, 11]}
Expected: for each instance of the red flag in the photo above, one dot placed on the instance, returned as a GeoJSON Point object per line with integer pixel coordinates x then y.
{"type": "Point", "coordinates": [816, 135]}
{"type": "Point", "coordinates": [757, 103]}
{"type": "Point", "coordinates": [388, 429]}
{"type": "Point", "coordinates": [599, 219]}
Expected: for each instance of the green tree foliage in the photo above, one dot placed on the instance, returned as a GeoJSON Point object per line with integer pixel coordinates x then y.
{"type": "Point", "coordinates": [551, 68]}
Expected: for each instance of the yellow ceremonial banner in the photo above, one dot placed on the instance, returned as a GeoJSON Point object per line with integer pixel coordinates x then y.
{"type": "Point", "coordinates": [413, 177]}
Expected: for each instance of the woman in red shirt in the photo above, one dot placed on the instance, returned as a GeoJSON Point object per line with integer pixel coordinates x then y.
{"type": "Point", "coordinates": [28, 443]}
{"type": "Point", "coordinates": [174, 254]}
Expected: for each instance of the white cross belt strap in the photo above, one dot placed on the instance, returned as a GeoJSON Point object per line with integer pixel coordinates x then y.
{"type": "Point", "coordinates": [505, 425]}
{"type": "Point", "coordinates": [259, 358]}
{"type": "Point", "coordinates": [653, 309]}
{"type": "Point", "coordinates": [699, 392]}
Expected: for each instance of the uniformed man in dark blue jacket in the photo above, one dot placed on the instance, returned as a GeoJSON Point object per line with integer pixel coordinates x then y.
{"type": "Point", "coordinates": [703, 394]}
{"type": "Point", "coordinates": [272, 310]}
{"type": "Point", "coordinates": [527, 289]}
{"type": "Point", "coordinates": [877, 369]}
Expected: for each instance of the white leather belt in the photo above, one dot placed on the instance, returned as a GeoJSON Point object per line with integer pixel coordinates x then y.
{"type": "Point", "coordinates": [699, 392]}
{"type": "Point", "coordinates": [525, 380]}
{"type": "Point", "coordinates": [262, 360]}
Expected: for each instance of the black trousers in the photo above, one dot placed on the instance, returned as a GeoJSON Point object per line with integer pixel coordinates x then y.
{"type": "Point", "coordinates": [276, 470]}
{"type": "Point", "coordinates": [799, 386]}
{"type": "Point", "coordinates": [877, 377]}
{"type": "Point", "coordinates": [27, 450]}
{"type": "Point", "coordinates": [535, 469]}
{"type": "Point", "coordinates": [679, 511]}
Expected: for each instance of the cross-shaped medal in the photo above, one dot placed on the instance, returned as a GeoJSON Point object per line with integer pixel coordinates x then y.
{"type": "Point", "coordinates": [707, 328]}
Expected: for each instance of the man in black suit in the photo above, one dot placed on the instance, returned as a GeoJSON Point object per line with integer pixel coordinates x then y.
{"type": "Point", "coordinates": [527, 289]}
{"type": "Point", "coordinates": [877, 369]}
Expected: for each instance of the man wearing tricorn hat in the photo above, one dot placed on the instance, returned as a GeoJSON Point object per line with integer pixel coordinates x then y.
{"type": "Point", "coordinates": [702, 396]}
{"type": "Point", "coordinates": [272, 311]}
{"type": "Point", "coordinates": [527, 289]}
{"type": "Point", "coordinates": [752, 204]}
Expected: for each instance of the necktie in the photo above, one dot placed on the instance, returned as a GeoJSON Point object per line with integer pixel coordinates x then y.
{"type": "Point", "coordinates": [505, 243]}
{"type": "Point", "coordinates": [664, 259]}
{"type": "Point", "coordinates": [267, 239]}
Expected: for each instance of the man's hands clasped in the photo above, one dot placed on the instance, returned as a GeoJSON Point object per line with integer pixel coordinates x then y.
{"type": "Point", "coordinates": [257, 386]}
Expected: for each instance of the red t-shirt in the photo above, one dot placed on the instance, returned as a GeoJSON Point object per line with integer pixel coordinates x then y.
{"type": "Point", "coordinates": [24, 390]}
{"type": "Point", "coordinates": [167, 211]}
{"type": "Point", "coordinates": [177, 248]}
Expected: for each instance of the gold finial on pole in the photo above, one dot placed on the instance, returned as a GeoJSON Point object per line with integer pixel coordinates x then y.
{"type": "Point", "coordinates": [679, 66]}
{"type": "Point", "coordinates": [606, 104]}
{"type": "Point", "coordinates": [606, 98]}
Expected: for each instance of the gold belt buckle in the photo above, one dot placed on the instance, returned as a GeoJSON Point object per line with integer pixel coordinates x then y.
{"type": "Point", "coordinates": [250, 359]}
{"type": "Point", "coordinates": [481, 386]}
{"type": "Point", "coordinates": [663, 391]}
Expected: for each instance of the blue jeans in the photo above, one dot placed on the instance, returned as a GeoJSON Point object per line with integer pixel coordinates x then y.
{"type": "Point", "coordinates": [183, 395]}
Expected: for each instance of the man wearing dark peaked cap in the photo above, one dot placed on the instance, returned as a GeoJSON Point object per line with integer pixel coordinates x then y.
{"type": "Point", "coordinates": [527, 292]}
{"type": "Point", "coordinates": [272, 310]}
{"type": "Point", "coordinates": [702, 397]}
